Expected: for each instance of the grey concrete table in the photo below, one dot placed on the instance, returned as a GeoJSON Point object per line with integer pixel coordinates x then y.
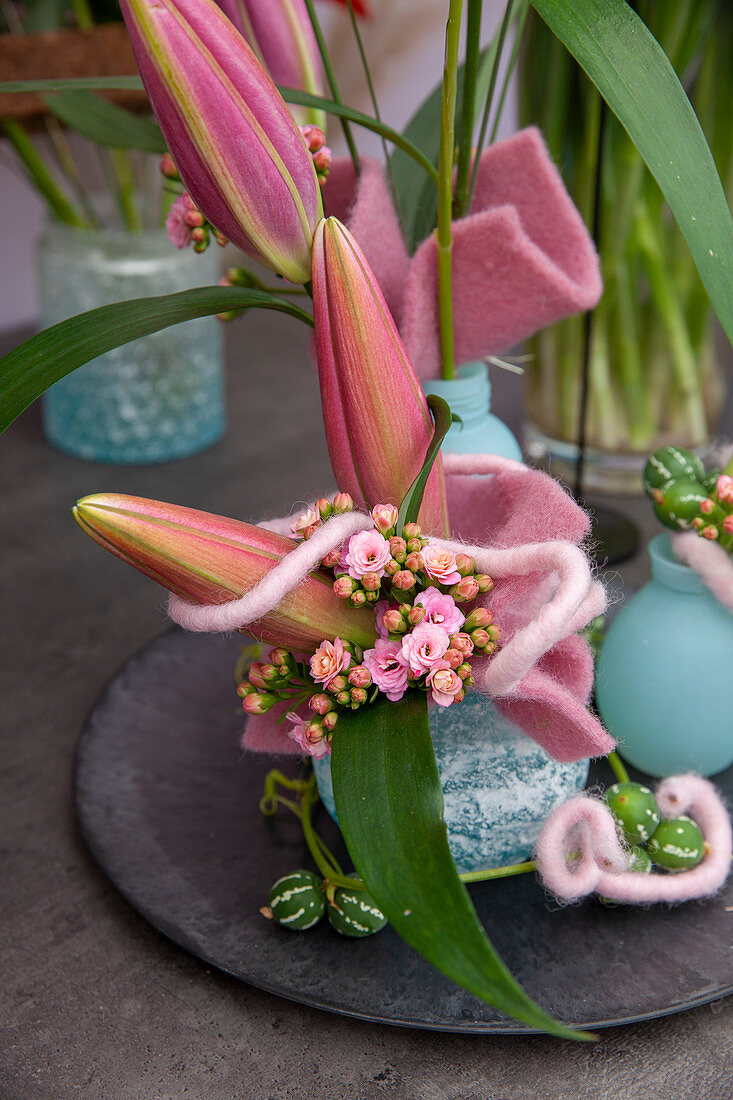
{"type": "Point", "coordinates": [95, 1004]}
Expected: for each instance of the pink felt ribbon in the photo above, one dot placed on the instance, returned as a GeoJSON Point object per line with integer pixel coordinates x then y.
{"type": "Point", "coordinates": [586, 826]}
{"type": "Point", "coordinates": [710, 561]}
{"type": "Point", "coordinates": [522, 259]}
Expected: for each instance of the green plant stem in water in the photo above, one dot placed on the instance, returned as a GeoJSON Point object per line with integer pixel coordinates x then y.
{"type": "Point", "coordinates": [125, 190]}
{"type": "Point", "coordinates": [497, 48]}
{"type": "Point", "coordinates": [468, 109]}
{"type": "Point", "coordinates": [617, 766]}
{"type": "Point", "coordinates": [330, 76]}
{"type": "Point", "coordinates": [444, 235]}
{"type": "Point", "coordinates": [59, 204]}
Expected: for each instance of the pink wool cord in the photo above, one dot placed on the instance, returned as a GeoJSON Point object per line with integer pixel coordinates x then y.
{"type": "Point", "coordinates": [710, 561]}
{"type": "Point", "coordinates": [265, 596]}
{"type": "Point", "coordinates": [586, 825]}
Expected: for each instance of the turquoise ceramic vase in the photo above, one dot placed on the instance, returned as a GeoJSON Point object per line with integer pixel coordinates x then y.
{"type": "Point", "coordinates": [152, 400]}
{"type": "Point", "coordinates": [469, 396]}
{"type": "Point", "coordinates": [664, 683]}
{"type": "Point", "coordinates": [498, 785]}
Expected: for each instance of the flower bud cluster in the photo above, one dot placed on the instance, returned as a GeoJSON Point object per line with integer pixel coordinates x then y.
{"type": "Point", "coordinates": [315, 139]}
{"type": "Point", "coordinates": [715, 521]}
{"type": "Point", "coordinates": [308, 522]}
{"type": "Point", "coordinates": [186, 225]}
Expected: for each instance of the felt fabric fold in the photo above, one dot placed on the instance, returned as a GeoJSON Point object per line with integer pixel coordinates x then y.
{"type": "Point", "coordinates": [522, 259]}
{"type": "Point", "coordinates": [710, 561]}
{"type": "Point", "coordinates": [586, 825]}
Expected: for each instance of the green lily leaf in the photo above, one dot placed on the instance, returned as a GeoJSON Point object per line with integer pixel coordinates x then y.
{"type": "Point", "coordinates": [442, 418]}
{"type": "Point", "coordinates": [66, 83]}
{"type": "Point", "coordinates": [105, 123]}
{"type": "Point", "coordinates": [390, 808]}
{"type": "Point", "coordinates": [29, 370]}
{"type": "Point", "coordinates": [635, 77]}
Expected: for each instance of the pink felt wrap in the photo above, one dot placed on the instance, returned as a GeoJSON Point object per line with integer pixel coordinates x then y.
{"type": "Point", "coordinates": [586, 825]}
{"type": "Point", "coordinates": [710, 561]}
{"type": "Point", "coordinates": [521, 260]}
{"type": "Point", "coordinates": [544, 592]}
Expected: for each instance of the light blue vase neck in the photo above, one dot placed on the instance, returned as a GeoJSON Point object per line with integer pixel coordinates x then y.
{"type": "Point", "coordinates": [468, 394]}
{"type": "Point", "coordinates": [670, 571]}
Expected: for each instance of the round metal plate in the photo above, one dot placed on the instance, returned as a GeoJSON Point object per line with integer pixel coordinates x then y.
{"type": "Point", "coordinates": [168, 804]}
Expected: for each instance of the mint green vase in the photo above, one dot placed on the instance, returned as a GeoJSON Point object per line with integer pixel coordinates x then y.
{"type": "Point", "coordinates": [480, 431]}
{"type": "Point", "coordinates": [664, 684]}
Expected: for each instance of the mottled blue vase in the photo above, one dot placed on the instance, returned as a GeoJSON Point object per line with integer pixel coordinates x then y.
{"type": "Point", "coordinates": [498, 785]}
{"type": "Point", "coordinates": [155, 399]}
{"type": "Point", "coordinates": [469, 396]}
{"type": "Point", "coordinates": [664, 683]}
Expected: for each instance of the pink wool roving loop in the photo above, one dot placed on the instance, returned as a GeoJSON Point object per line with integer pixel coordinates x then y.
{"type": "Point", "coordinates": [271, 590]}
{"type": "Point", "coordinates": [586, 826]}
{"type": "Point", "coordinates": [710, 561]}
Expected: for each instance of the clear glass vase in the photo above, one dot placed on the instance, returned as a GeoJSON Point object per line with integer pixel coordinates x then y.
{"type": "Point", "coordinates": [155, 399]}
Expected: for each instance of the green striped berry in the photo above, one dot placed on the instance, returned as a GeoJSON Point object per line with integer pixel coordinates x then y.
{"type": "Point", "coordinates": [297, 900]}
{"type": "Point", "coordinates": [670, 464]}
{"type": "Point", "coordinates": [678, 502]}
{"type": "Point", "coordinates": [354, 913]}
{"type": "Point", "coordinates": [640, 862]}
{"type": "Point", "coordinates": [635, 809]}
{"type": "Point", "coordinates": [677, 845]}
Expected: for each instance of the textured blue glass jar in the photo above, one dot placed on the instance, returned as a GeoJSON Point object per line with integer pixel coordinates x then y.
{"type": "Point", "coordinates": [155, 399]}
{"type": "Point", "coordinates": [498, 785]}
{"type": "Point", "coordinates": [469, 396]}
{"type": "Point", "coordinates": [664, 683]}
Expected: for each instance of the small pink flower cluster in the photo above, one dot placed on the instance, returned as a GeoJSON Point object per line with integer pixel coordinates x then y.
{"type": "Point", "coordinates": [424, 639]}
{"type": "Point", "coordinates": [315, 139]}
{"type": "Point", "coordinates": [716, 519]}
{"type": "Point", "coordinates": [185, 225]}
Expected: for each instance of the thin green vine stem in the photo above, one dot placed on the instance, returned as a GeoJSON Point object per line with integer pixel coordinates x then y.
{"type": "Point", "coordinates": [503, 27]}
{"type": "Point", "coordinates": [468, 108]}
{"type": "Point", "coordinates": [331, 77]}
{"type": "Point", "coordinates": [499, 872]}
{"type": "Point", "coordinates": [444, 235]}
{"type": "Point", "coordinates": [370, 86]}
{"type": "Point", "coordinates": [513, 58]}
{"type": "Point", "coordinates": [617, 766]}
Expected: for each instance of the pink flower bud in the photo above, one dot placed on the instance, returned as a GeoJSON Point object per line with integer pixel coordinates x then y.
{"type": "Point", "coordinates": [724, 489]}
{"type": "Point", "coordinates": [344, 698]}
{"type": "Point", "coordinates": [414, 545]}
{"type": "Point", "coordinates": [245, 689]}
{"type": "Point", "coordinates": [465, 565]}
{"type": "Point", "coordinates": [309, 532]}
{"type": "Point", "coordinates": [322, 161]}
{"type": "Point", "coordinates": [321, 704]}
{"type": "Point", "coordinates": [454, 657]}
{"type": "Point", "coordinates": [414, 562]}
{"type": "Point", "coordinates": [411, 531]}
{"type": "Point", "coordinates": [710, 533]}
{"type": "Point", "coordinates": [478, 617]}
{"type": "Point", "coordinates": [330, 720]}
{"type": "Point", "coordinates": [314, 136]}
{"type": "Point", "coordinates": [416, 615]}
{"type": "Point", "coordinates": [255, 675]}
{"type": "Point", "coordinates": [480, 638]}
{"type": "Point", "coordinates": [466, 589]}
{"type": "Point", "coordinates": [463, 643]}
{"type": "Point", "coordinates": [193, 218]}
{"type": "Point", "coordinates": [485, 583]}
{"type": "Point", "coordinates": [168, 168]}
{"type": "Point", "coordinates": [309, 518]}
{"type": "Point", "coordinates": [393, 622]}
{"type": "Point", "coordinates": [360, 677]}
{"type": "Point", "coordinates": [344, 587]}
{"type": "Point", "coordinates": [280, 656]}
{"type": "Point", "coordinates": [706, 506]}
{"type": "Point", "coordinates": [358, 696]}
{"type": "Point", "coordinates": [728, 525]}
{"type": "Point", "coordinates": [324, 508]}
{"type": "Point", "coordinates": [398, 548]}
{"type": "Point", "coordinates": [392, 567]}
{"type": "Point", "coordinates": [404, 580]}
{"type": "Point", "coordinates": [358, 599]}
{"type": "Point", "coordinates": [371, 582]}
{"type": "Point", "coordinates": [259, 703]}
{"type": "Point", "coordinates": [338, 683]}
{"type": "Point", "coordinates": [342, 502]}
{"type": "Point", "coordinates": [271, 674]}
{"type": "Point", "coordinates": [385, 518]}
{"type": "Point", "coordinates": [698, 523]}
{"type": "Point", "coordinates": [331, 560]}
{"type": "Point", "coordinates": [464, 670]}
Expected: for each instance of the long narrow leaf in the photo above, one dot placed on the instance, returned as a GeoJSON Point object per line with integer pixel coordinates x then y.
{"type": "Point", "coordinates": [29, 370]}
{"type": "Point", "coordinates": [65, 83]}
{"type": "Point", "coordinates": [390, 808]}
{"type": "Point", "coordinates": [636, 79]}
{"type": "Point", "coordinates": [442, 418]}
{"type": "Point", "coordinates": [105, 123]}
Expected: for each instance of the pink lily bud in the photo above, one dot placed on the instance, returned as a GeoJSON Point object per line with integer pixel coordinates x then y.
{"type": "Point", "coordinates": [360, 677]}
{"type": "Point", "coordinates": [343, 502]}
{"type": "Point", "coordinates": [236, 145]}
{"type": "Point", "coordinates": [280, 33]}
{"type": "Point", "coordinates": [378, 426]}
{"type": "Point", "coordinates": [385, 518]}
{"type": "Point", "coordinates": [321, 703]}
{"type": "Point", "coordinates": [466, 589]}
{"type": "Point", "coordinates": [209, 559]}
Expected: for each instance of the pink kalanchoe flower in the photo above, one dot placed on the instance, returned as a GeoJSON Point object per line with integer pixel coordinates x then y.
{"type": "Point", "coordinates": [301, 733]}
{"type": "Point", "coordinates": [441, 610]}
{"type": "Point", "coordinates": [444, 684]}
{"type": "Point", "coordinates": [177, 225]}
{"type": "Point", "coordinates": [235, 144]}
{"type": "Point", "coordinates": [369, 389]}
{"type": "Point", "coordinates": [328, 661]}
{"type": "Point", "coordinates": [309, 518]}
{"type": "Point", "coordinates": [440, 564]}
{"type": "Point", "coordinates": [388, 668]}
{"type": "Point", "coordinates": [728, 525]}
{"type": "Point", "coordinates": [380, 610]}
{"type": "Point", "coordinates": [367, 552]}
{"type": "Point", "coordinates": [385, 517]}
{"type": "Point", "coordinates": [425, 647]}
{"type": "Point", "coordinates": [724, 489]}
